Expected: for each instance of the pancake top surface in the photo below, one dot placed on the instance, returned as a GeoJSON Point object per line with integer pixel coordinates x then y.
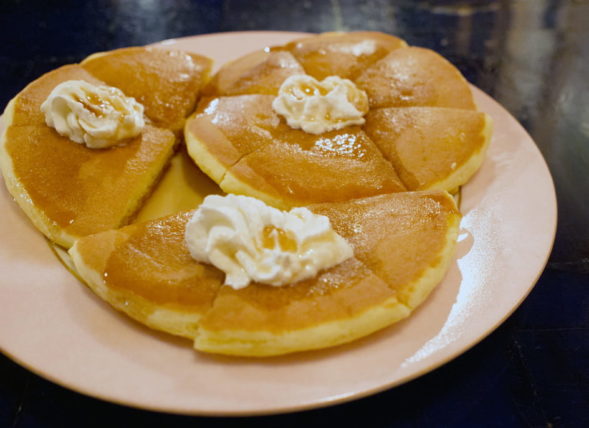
{"type": "Point", "coordinates": [69, 190]}
{"type": "Point", "coordinates": [26, 106]}
{"type": "Point", "coordinates": [246, 135]}
{"type": "Point", "coordinates": [260, 72]}
{"type": "Point", "coordinates": [342, 54]}
{"type": "Point", "coordinates": [166, 82]}
{"type": "Point", "coordinates": [427, 145]}
{"type": "Point", "coordinates": [83, 190]}
{"type": "Point", "coordinates": [414, 76]}
{"type": "Point", "coordinates": [151, 260]}
{"type": "Point", "coordinates": [246, 147]}
{"type": "Point", "coordinates": [234, 126]}
{"type": "Point", "coordinates": [395, 235]}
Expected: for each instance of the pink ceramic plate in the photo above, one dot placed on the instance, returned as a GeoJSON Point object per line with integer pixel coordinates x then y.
{"type": "Point", "coordinates": [54, 326]}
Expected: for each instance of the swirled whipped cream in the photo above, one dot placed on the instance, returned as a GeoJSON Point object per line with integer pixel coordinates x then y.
{"type": "Point", "coordinates": [318, 107]}
{"type": "Point", "coordinates": [97, 116]}
{"type": "Point", "coordinates": [251, 241]}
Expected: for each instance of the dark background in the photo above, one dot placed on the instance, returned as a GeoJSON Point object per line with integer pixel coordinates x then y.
{"type": "Point", "coordinates": [530, 55]}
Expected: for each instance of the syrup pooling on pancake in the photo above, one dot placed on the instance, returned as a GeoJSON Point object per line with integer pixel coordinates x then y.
{"type": "Point", "coordinates": [251, 241]}
{"type": "Point", "coordinates": [97, 116]}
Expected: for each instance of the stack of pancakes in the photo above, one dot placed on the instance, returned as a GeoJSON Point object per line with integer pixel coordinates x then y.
{"type": "Point", "coordinates": [384, 186]}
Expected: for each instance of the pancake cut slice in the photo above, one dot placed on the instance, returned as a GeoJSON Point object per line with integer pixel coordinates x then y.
{"type": "Point", "coordinates": [25, 108]}
{"type": "Point", "coordinates": [69, 190]}
{"type": "Point", "coordinates": [406, 239]}
{"type": "Point", "coordinates": [342, 54]}
{"type": "Point", "coordinates": [146, 271]}
{"type": "Point", "coordinates": [260, 72]}
{"type": "Point", "coordinates": [166, 82]}
{"type": "Point", "coordinates": [341, 304]}
{"type": "Point", "coordinates": [413, 76]}
{"type": "Point", "coordinates": [65, 188]}
{"type": "Point", "coordinates": [431, 147]}
{"type": "Point", "coordinates": [292, 171]}
{"type": "Point", "coordinates": [244, 146]}
{"type": "Point", "coordinates": [225, 129]}
{"type": "Point", "coordinates": [403, 244]}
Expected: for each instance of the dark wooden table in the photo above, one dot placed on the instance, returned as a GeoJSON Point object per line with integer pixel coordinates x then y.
{"type": "Point", "coordinates": [530, 55]}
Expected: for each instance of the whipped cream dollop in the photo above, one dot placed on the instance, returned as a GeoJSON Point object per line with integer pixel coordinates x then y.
{"type": "Point", "coordinates": [318, 107]}
{"type": "Point", "coordinates": [251, 241]}
{"type": "Point", "coordinates": [97, 116]}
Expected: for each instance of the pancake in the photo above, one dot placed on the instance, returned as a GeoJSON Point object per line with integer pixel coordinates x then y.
{"type": "Point", "coordinates": [25, 108]}
{"type": "Point", "coordinates": [396, 236]}
{"type": "Point", "coordinates": [260, 72]}
{"type": "Point", "coordinates": [225, 129]}
{"type": "Point", "coordinates": [412, 76]}
{"type": "Point", "coordinates": [244, 146]}
{"type": "Point", "coordinates": [69, 190]}
{"type": "Point", "coordinates": [431, 147]}
{"type": "Point", "coordinates": [247, 148]}
{"type": "Point", "coordinates": [146, 271]}
{"type": "Point", "coordinates": [166, 82]}
{"type": "Point", "coordinates": [342, 54]}
{"type": "Point", "coordinates": [428, 137]}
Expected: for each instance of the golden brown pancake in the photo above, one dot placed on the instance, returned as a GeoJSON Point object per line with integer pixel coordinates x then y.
{"type": "Point", "coordinates": [342, 54]}
{"type": "Point", "coordinates": [146, 271]}
{"type": "Point", "coordinates": [246, 148]}
{"type": "Point", "coordinates": [260, 72]}
{"type": "Point", "coordinates": [242, 144]}
{"type": "Point", "coordinates": [395, 236]}
{"type": "Point", "coordinates": [225, 129]}
{"type": "Point", "coordinates": [412, 76]}
{"type": "Point", "coordinates": [167, 83]}
{"type": "Point", "coordinates": [431, 147]}
{"type": "Point", "coordinates": [25, 108]}
{"type": "Point", "coordinates": [69, 190]}
{"type": "Point", "coordinates": [402, 241]}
